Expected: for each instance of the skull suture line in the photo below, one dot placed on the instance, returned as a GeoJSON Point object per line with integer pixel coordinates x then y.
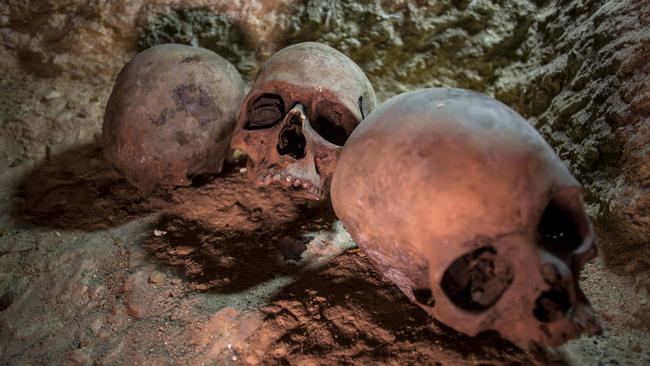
{"type": "Point", "coordinates": [305, 102]}
{"type": "Point", "coordinates": [467, 209]}
{"type": "Point", "coordinates": [170, 116]}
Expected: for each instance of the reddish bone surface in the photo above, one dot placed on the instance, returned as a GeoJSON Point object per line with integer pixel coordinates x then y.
{"type": "Point", "coordinates": [171, 115]}
{"type": "Point", "coordinates": [463, 205]}
{"type": "Point", "coordinates": [305, 102]}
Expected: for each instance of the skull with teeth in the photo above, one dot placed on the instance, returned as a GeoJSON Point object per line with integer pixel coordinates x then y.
{"type": "Point", "coordinates": [305, 102]}
{"type": "Point", "coordinates": [485, 229]}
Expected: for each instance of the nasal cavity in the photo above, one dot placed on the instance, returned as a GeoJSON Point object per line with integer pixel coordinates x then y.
{"type": "Point", "coordinates": [292, 142]}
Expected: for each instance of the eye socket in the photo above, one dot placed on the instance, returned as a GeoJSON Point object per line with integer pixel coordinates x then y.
{"type": "Point", "coordinates": [559, 230]}
{"type": "Point", "coordinates": [476, 280]}
{"type": "Point", "coordinates": [264, 112]}
{"type": "Point", "coordinates": [333, 123]}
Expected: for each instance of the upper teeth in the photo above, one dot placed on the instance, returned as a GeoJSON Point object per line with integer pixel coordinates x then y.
{"type": "Point", "coordinates": [266, 178]}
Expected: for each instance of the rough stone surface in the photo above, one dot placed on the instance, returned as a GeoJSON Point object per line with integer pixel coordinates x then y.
{"type": "Point", "coordinates": [576, 68]}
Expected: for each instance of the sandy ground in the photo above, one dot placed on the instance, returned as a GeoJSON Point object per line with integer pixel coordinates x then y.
{"type": "Point", "coordinates": [225, 273]}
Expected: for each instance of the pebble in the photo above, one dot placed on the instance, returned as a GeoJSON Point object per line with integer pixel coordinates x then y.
{"type": "Point", "coordinates": [53, 95]}
{"type": "Point", "coordinates": [156, 277]}
{"type": "Point", "coordinates": [320, 299]}
{"type": "Point", "coordinates": [80, 357]}
{"type": "Point", "coordinates": [157, 232]}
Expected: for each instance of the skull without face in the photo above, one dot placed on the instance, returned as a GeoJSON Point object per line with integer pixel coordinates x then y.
{"type": "Point", "coordinates": [171, 115]}
{"type": "Point", "coordinates": [305, 102]}
{"type": "Point", "coordinates": [466, 208]}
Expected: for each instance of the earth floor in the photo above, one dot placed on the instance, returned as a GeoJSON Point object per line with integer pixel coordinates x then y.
{"type": "Point", "coordinates": [223, 272]}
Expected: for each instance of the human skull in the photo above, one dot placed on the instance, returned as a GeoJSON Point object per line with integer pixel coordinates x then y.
{"type": "Point", "coordinates": [305, 102]}
{"type": "Point", "coordinates": [466, 208]}
{"type": "Point", "coordinates": [171, 115]}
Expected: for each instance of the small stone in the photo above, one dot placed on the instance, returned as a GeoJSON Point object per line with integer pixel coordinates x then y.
{"type": "Point", "coordinates": [607, 316]}
{"type": "Point", "coordinates": [159, 233]}
{"type": "Point", "coordinates": [320, 299]}
{"type": "Point", "coordinates": [80, 357]}
{"type": "Point", "coordinates": [242, 170]}
{"type": "Point", "coordinates": [54, 94]}
{"type": "Point", "coordinates": [238, 154]}
{"type": "Point", "coordinates": [175, 315]}
{"type": "Point", "coordinates": [156, 277]}
{"type": "Point", "coordinates": [252, 360]}
{"type": "Point", "coordinates": [135, 310]}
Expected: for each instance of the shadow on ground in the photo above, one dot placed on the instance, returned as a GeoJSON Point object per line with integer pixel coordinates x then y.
{"type": "Point", "coordinates": [232, 260]}
{"type": "Point", "coordinates": [348, 313]}
{"type": "Point", "coordinates": [79, 190]}
{"type": "Point", "coordinates": [227, 236]}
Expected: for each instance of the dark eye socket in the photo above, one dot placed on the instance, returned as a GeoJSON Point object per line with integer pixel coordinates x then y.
{"type": "Point", "coordinates": [264, 112]}
{"type": "Point", "coordinates": [330, 123]}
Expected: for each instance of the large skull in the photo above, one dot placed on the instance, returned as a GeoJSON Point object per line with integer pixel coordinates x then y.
{"type": "Point", "coordinates": [305, 102]}
{"type": "Point", "coordinates": [467, 209]}
{"type": "Point", "coordinates": [170, 116]}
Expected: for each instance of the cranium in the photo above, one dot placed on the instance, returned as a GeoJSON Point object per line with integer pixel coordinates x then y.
{"type": "Point", "coordinates": [171, 115]}
{"type": "Point", "coordinates": [305, 102]}
{"type": "Point", "coordinates": [467, 209]}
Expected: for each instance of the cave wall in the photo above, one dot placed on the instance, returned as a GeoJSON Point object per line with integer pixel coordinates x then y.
{"type": "Point", "coordinates": [577, 69]}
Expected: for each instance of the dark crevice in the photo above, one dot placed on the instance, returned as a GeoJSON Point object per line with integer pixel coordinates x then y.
{"type": "Point", "coordinates": [424, 296]}
{"type": "Point", "coordinates": [199, 180]}
{"type": "Point", "coordinates": [552, 305]}
{"type": "Point", "coordinates": [6, 300]}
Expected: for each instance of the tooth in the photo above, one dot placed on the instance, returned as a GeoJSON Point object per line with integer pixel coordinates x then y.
{"type": "Point", "coordinates": [305, 185]}
{"type": "Point", "coordinates": [258, 180]}
{"type": "Point", "coordinates": [276, 177]}
{"type": "Point", "coordinates": [288, 179]}
{"type": "Point", "coordinates": [297, 183]}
